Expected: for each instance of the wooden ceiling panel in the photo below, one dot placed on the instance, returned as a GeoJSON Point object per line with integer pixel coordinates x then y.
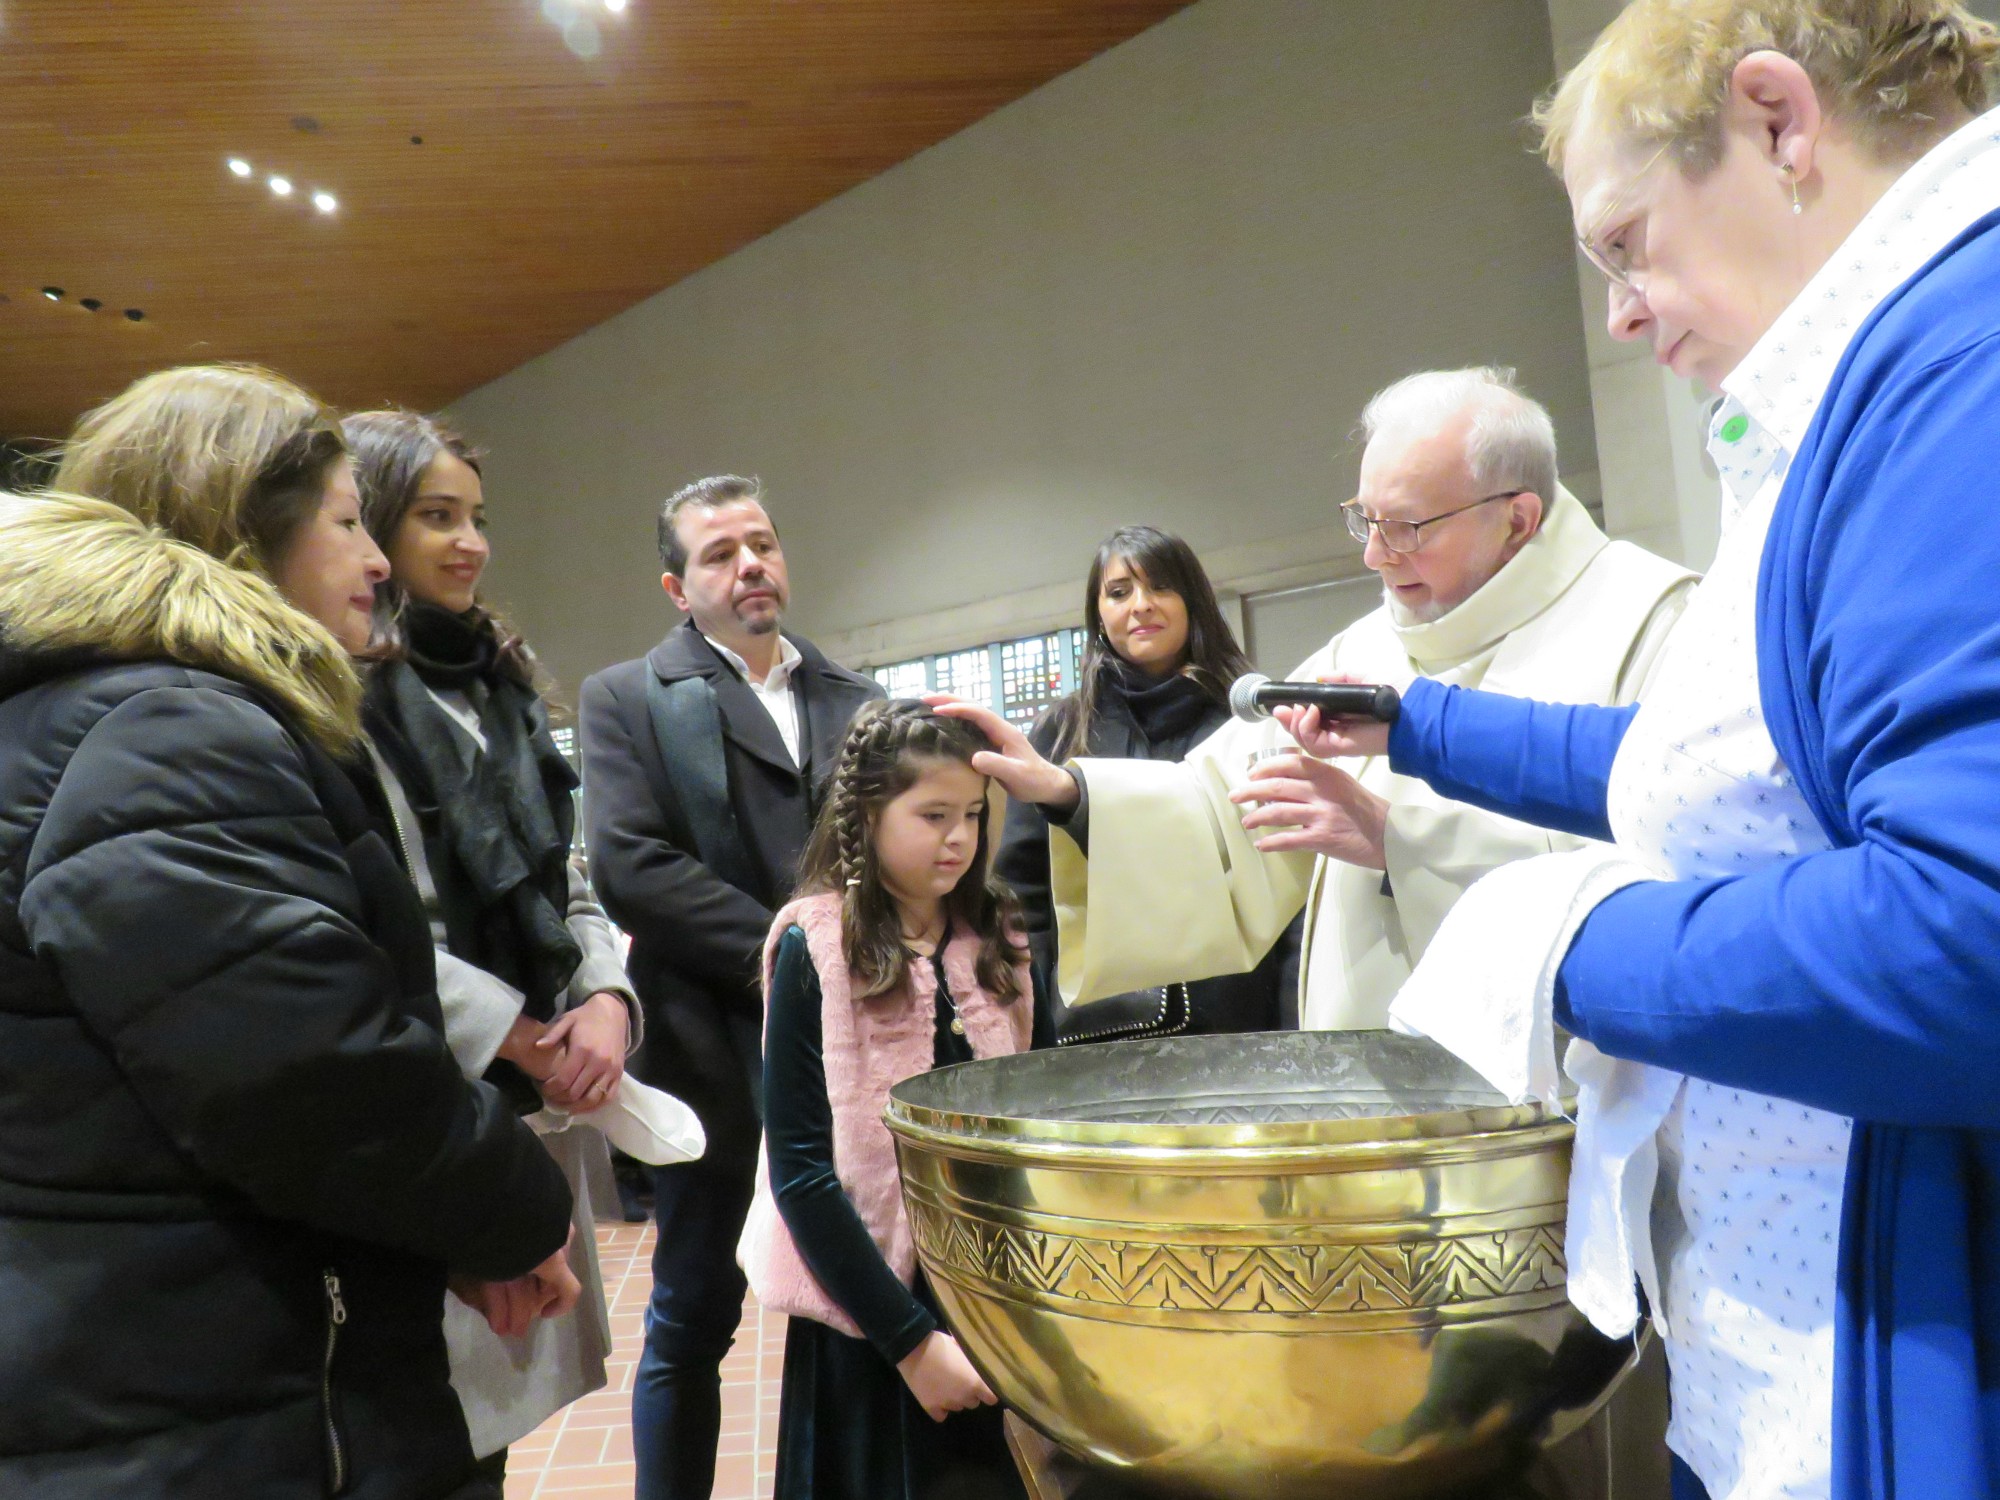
{"type": "Point", "coordinates": [551, 189]}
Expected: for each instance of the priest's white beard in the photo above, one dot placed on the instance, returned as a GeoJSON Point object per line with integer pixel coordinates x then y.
{"type": "Point", "coordinates": [1424, 614]}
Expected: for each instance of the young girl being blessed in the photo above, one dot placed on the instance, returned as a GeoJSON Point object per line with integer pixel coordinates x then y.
{"type": "Point", "coordinates": [900, 955]}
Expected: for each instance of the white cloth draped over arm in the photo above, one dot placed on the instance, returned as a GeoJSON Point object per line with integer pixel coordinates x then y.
{"type": "Point", "coordinates": [1485, 991]}
{"type": "Point", "coordinates": [1435, 850]}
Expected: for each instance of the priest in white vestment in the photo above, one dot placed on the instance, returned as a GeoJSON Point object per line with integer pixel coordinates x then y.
{"type": "Point", "coordinates": [1494, 576]}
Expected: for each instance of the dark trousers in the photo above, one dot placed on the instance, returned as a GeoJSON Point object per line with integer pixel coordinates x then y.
{"type": "Point", "coordinates": [691, 1321]}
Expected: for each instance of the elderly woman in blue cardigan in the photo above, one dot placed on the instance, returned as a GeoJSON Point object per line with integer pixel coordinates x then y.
{"type": "Point", "coordinates": [1785, 971]}
{"type": "Point", "coordinates": [1784, 964]}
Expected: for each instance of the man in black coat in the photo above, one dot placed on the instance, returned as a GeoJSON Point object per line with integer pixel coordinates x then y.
{"type": "Point", "coordinates": [700, 765]}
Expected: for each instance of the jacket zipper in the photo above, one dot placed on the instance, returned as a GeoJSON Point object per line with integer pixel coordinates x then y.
{"type": "Point", "coordinates": [402, 843]}
{"type": "Point", "coordinates": [386, 775]}
{"type": "Point", "coordinates": [336, 1314]}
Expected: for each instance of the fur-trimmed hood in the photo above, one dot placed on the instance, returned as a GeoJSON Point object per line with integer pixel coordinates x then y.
{"type": "Point", "coordinates": [82, 580]}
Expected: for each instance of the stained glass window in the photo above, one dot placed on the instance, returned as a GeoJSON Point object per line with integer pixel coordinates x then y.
{"type": "Point", "coordinates": [1017, 679]}
{"type": "Point", "coordinates": [966, 674]}
{"type": "Point", "coordinates": [1031, 677]}
{"type": "Point", "coordinates": [904, 679]}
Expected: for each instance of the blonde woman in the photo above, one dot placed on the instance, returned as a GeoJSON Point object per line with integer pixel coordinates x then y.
{"type": "Point", "coordinates": [237, 1161]}
{"type": "Point", "coordinates": [1786, 975]}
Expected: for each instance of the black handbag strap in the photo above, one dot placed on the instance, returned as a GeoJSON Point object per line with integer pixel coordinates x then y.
{"type": "Point", "coordinates": [688, 725]}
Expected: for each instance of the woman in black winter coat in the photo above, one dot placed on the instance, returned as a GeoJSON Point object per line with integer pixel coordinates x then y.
{"type": "Point", "coordinates": [1158, 660]}
{"type": "Point", "coordinates": [237, 1161]}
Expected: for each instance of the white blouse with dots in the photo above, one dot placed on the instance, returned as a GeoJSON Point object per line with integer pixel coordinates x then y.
{"type": "Point", "coordinates": [1748, 1211]}
{"type": "Point", "coordinates": [1747, 1214]}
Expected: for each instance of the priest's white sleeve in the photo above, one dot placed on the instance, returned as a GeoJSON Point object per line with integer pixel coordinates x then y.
{"type": "Point", "coordinates": [1174, 887]}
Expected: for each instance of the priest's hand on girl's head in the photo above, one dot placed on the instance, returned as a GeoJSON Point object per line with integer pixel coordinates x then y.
{"type": "Point", "coordinates": [1332, 739]}
{"type": "Point", "coordinates": [1315, 807]}
{"type": "Point", "coordinates": [1013, 762]}
{"type": "Point", "coordinates": [942, 1378]}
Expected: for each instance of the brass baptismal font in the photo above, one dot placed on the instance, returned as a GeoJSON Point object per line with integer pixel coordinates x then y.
{"type": "Point", "coordinates": [1290, 1266]}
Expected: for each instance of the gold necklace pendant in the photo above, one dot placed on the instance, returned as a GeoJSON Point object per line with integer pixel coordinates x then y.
{"type": "Point", "coordinates": [957, 1027]}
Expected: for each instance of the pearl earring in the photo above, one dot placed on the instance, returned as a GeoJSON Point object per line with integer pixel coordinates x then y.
{"type": "Point", "coordinates": [1797, 207]}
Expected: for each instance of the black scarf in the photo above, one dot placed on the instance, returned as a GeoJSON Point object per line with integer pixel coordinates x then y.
{"type": "Point", "coordinates": [503, 820]}
{"type": "Point", "coordinates": [1151, 718]}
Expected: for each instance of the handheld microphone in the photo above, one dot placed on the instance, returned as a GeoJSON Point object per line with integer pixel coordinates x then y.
{"type": "Point", "coordinates": [1253, 696]}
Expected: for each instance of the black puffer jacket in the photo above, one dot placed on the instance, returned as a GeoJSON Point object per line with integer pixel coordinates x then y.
{"type": "Point", "coordinates": [236, 1157]}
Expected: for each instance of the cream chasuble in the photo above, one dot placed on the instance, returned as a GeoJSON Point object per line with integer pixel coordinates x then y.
{"type": "Point", "coordinates": [1173, 887]}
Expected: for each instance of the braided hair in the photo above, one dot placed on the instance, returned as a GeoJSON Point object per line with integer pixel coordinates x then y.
{"type": "Point", "coordinates": [887, 748]}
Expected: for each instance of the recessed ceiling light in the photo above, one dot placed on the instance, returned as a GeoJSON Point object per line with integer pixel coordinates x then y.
{"type": "Point", "coordinates": [53, 293]}
{"type": "Point", "coordinates": [616, 7]}
{"type": "Point", "coordinates": [239, 166]}
{"type": "Point", "coordinates": [282, 186]}
{"type": "Point", "coordinates": [90, 304]}
{"type": "Point", "coordinates": [326, 203]}
{"type": "Point", "coordinates": [134, 315]}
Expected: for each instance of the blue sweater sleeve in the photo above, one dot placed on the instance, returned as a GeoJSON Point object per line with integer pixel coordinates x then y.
{"type": "Point", "coordinates": [798, 1123]}
{"type": "Point", "coordinates": [1543, 763]}
{"type": "Point", "coordinates": [1864, 979]}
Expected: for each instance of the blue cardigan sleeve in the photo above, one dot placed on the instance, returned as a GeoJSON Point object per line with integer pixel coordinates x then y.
{"type": "Point", "coordinates": [1543, 763]}
{"type": "Point", "coordinates": [1864, 979]}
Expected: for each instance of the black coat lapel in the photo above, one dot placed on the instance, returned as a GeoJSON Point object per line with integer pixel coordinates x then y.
{"type": "Point", "coordinates": [828, 700]}
{"type": "Point", "coordinates": [746, 723]}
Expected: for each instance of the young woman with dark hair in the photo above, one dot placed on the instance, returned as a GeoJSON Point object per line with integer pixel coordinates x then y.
{"type": "Point", "coordinates": [529, 973]}
{"type": "Point", "coordinates": [900, 954]}
{"type": "Point", "coordinates": [1158, 660]}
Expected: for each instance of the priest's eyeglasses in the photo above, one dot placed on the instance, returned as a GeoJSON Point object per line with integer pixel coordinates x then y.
{"type": "Point", "coordinates": [1406, 536]}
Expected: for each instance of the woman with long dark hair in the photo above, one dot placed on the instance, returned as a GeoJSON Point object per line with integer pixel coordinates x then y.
{"type": "Point", "coordinates": [529, 973]}
{"type": "Point", "coordinates": [1158, 660]}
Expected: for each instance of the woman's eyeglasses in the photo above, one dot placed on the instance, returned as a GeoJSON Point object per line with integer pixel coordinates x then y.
{"type": "Point", "coordinates": [1405, 536]}
{"type": "Point", "coordinates": [1614, 258]}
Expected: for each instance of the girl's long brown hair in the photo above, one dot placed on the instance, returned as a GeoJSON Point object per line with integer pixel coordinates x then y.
{"type": "Point", "coordinates": [888, 746]}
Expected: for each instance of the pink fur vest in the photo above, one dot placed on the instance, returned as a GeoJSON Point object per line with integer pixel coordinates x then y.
{"type": "Point", "coordinates": [869, 1047]}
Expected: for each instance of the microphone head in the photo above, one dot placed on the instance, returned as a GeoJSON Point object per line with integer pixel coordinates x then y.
{"type": "Point", "coordinates": [1243, 697]}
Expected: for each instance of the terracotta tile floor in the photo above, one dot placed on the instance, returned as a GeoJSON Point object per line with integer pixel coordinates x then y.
{"type": "Point", "coordinates": [585, 1452]}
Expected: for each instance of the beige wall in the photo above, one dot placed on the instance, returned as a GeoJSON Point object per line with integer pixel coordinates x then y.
{"type": "Point", "coordinates": [1158, 289]}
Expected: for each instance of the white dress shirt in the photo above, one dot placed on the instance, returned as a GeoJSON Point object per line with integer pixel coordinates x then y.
{"type": "Point", "coordinates": [775, 691]}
